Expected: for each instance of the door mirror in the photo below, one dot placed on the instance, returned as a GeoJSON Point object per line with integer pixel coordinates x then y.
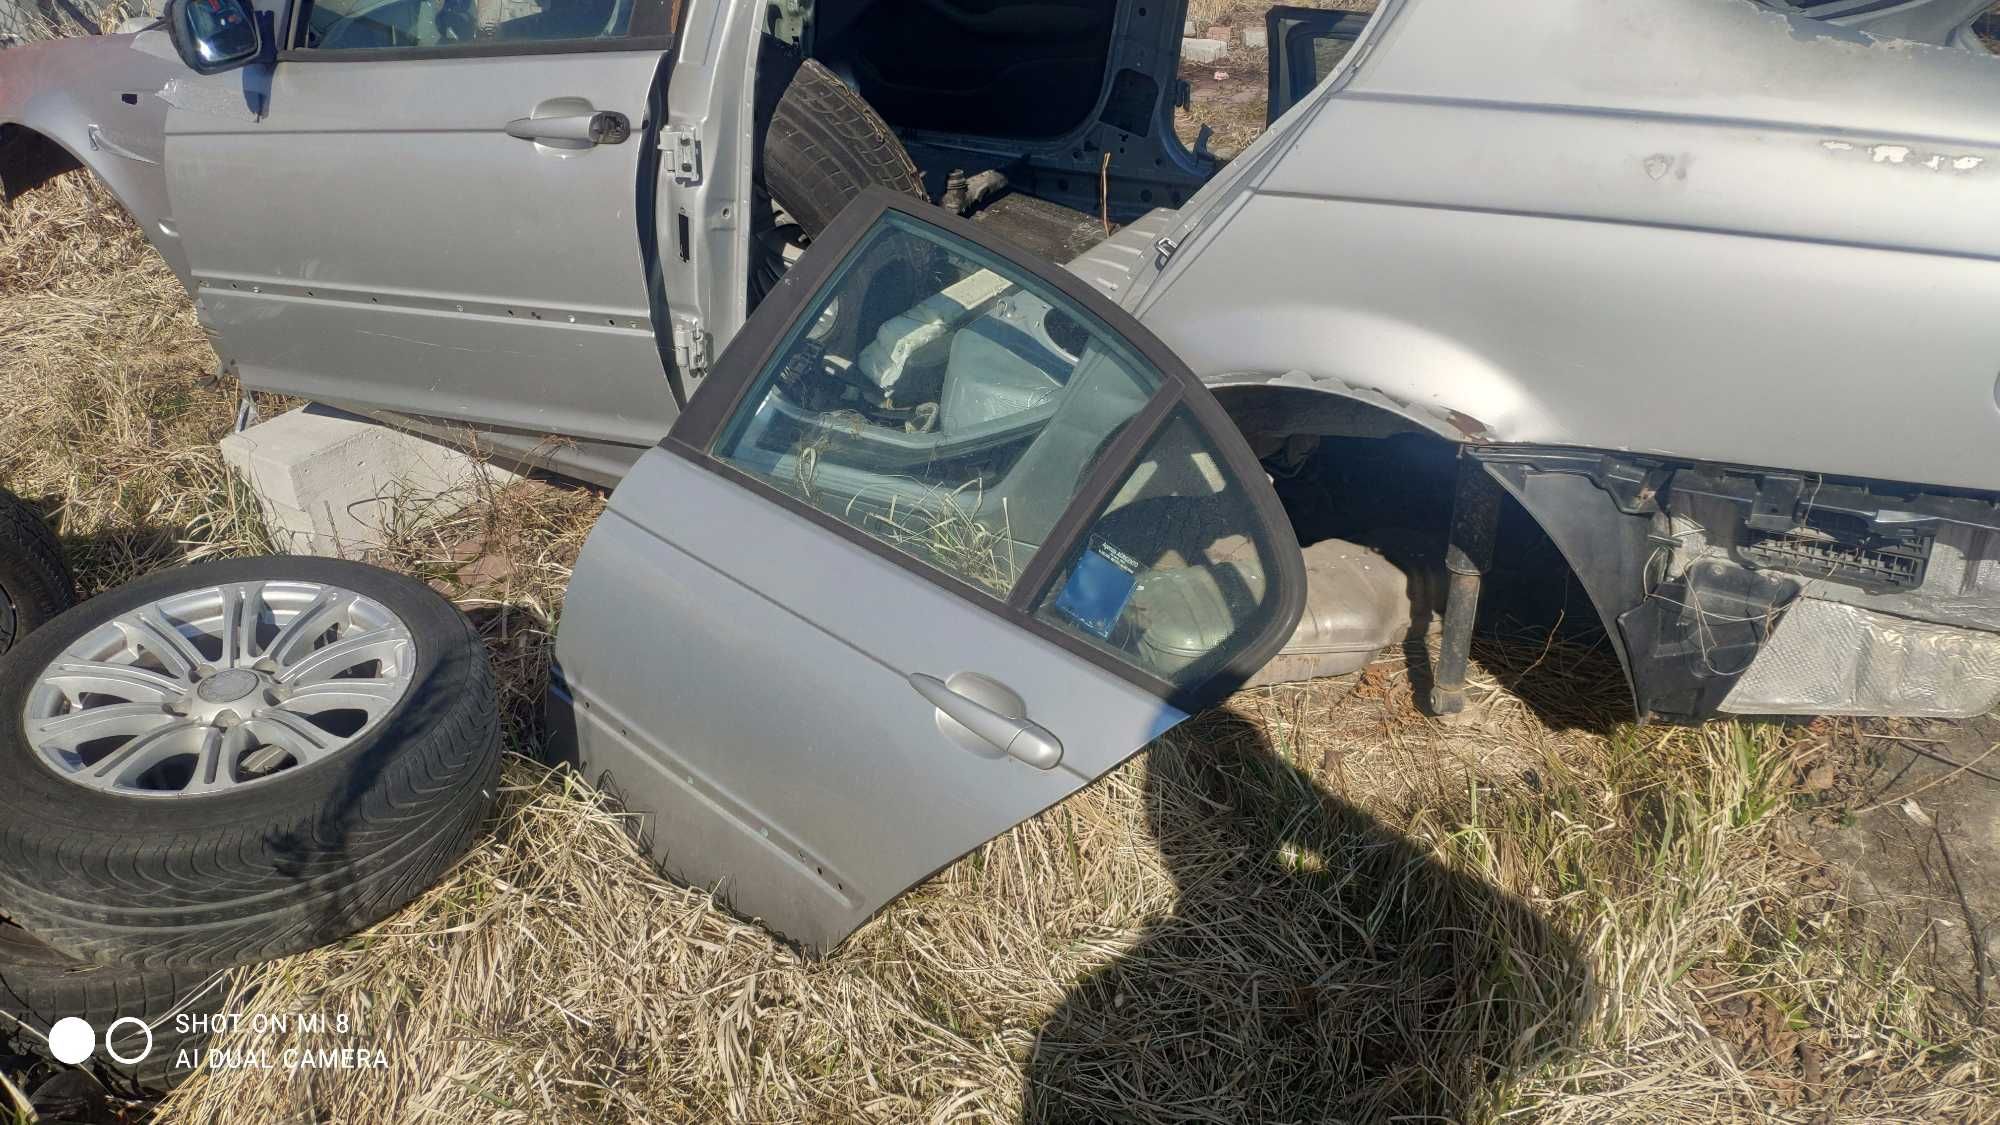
{"type": "Point", "coordinates": [214, 35]}
{"type": "Point", "coordinates": [1306, 45]}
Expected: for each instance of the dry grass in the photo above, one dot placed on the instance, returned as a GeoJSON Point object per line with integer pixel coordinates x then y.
{"type": "Point", "coordinates": [1311, 904]}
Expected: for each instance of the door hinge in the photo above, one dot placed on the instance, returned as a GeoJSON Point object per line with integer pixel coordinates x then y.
{"type": "Point", "coordinates": [690, 347]}
{"type": "Point", "coordinates": [682, 149]}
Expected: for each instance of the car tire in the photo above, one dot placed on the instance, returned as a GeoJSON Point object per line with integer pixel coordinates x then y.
{"type": "Point", "coordinates": [243, 821]}
{"type": "Point", "coordinates": [35, 584]}
{"type": "Point", "coordinates": [39, 986]}
{"type": "Point", "coordinates": [823, 146]}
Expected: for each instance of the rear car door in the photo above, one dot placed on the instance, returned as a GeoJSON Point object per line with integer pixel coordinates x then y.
{"type": "Point", "coordinates": [943, 537]}
{"type": "Point", "coordinates": [435, 207]}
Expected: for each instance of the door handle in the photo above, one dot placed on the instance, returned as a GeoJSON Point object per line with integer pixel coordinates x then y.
{"type": "Point", "coordinates": [1012, 735]}
{"type": "Point", "coordinates": [574, 130]}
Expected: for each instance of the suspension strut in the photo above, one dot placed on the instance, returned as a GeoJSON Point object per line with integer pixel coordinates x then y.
{"type": "Point", "coordinates": [1475, 515]}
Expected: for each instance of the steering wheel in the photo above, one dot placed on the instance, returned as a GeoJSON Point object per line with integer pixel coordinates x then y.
{"type": "Point", "coordinates": [379, 25]}
{"type": "Point", "coordinates": [457, 22]}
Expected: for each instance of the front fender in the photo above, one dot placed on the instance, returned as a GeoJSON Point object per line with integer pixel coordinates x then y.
{"type": "Point", "coordinates": [93, 102]}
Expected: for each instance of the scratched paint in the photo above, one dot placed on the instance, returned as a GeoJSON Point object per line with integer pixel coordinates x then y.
{"type": "Point", "coordinates": [1907, 157]}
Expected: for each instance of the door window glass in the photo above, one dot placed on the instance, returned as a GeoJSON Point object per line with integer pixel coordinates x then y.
{"type": "Point", "coordinates": [1306, 47]}
{"type": "Point", "coordinates": [382, 24]}
{"type": "Point", "coordinates": [941, 400]}
{"type": "Point", "coordinates": [1174, 575]}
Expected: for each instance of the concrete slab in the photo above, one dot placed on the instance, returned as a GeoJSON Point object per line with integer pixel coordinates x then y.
{"type": "Point", "coordinates": [1256, 37]}
{"type": "Point", "coordinates": [331, 483]}
{"type": "Point", "coordinates": [1200, 51]}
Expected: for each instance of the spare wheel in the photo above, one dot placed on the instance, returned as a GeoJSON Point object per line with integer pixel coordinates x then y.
{"type": "Point", "coordinates": [237, 760]}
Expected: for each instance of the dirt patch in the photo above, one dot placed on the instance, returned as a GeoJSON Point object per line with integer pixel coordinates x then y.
{"type": "Point", "coordinates": [1908, 815]}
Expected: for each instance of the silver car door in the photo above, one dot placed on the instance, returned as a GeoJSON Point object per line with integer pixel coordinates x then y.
{"type": "Point", "coordinates": [434, 207]}
{"type": "Point", "coordinates": [943, 537]}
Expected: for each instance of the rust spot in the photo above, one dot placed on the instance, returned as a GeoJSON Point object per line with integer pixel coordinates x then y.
{"type": "Point", "coordinates": [1466, 424]}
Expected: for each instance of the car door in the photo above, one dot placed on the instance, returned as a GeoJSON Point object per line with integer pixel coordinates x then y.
{"type": "Point", "coordinates": [434, 207]}
{"type": "Point", "coordinates": [1303, 46]}
{"type": "Point", "coordinates": [943, 537]}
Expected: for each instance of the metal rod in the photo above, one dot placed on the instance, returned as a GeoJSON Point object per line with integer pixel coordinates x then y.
{"type": "Point", "coordinates": [1475, 514]}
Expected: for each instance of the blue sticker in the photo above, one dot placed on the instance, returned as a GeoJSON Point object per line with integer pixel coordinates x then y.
{"type": "Point", "coordinates": [1097, 590]}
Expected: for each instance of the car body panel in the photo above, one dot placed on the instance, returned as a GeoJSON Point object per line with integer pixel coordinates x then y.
{"type": "Point", "coordinates": [1580, 230]}
{"type": "Point", "coordinates": [374, 237]}
{"type": "Point", "coordinates": [739, 680]}
{"type": "Point", "coordinates": [97, 99]}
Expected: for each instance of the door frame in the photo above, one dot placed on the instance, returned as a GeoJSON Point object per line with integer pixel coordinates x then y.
{"type": "Point", "coordinates": [1318, 23]}
{"type": "Point", "coordinates": [769, 329]}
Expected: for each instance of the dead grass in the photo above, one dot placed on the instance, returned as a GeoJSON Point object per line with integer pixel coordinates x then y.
{"type": "Point", "coordinates": [1311, 904]}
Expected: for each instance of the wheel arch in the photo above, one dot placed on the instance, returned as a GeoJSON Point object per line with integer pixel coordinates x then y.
{"type": "Point", "coordinates": [1604, 547]}
{"type": "Point", "coordinates": [29, 159]}
{"type": "Point", "coordinates": [93, 103]}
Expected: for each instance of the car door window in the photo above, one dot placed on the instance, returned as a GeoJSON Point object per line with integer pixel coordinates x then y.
{"type": "Point", "coordinates": [945, 402]}
{"type": "Point", "coordinates": [940, 402]}
{"type": "Point", "coordinates": [1172, 574]}
{"type": "Point", "coordinates": [1306, 45]}
{"type": "Point", "coordinates": [345, 25]}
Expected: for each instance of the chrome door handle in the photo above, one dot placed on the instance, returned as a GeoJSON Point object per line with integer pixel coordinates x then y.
{"type": "Point", "coordinates": [1012, 735]}
{"type": "Point", "coordinates": [576, 130]}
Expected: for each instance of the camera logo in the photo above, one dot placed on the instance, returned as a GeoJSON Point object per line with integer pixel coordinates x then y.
{"type": "Point", "coordinates": [73, 1040]}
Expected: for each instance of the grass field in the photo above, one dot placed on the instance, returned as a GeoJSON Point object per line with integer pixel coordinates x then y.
{"type": "Point", "coordinates": [1313, 903]}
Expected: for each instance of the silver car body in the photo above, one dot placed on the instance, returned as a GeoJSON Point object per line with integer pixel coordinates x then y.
{"type": "Point", "coordinates": [1706, 287]}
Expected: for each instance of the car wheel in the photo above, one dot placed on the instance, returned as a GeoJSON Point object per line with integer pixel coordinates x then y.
{"type": "Point", "coordinates": [233, 761]}
{"type": "Point", "coordinates": [35, 585]}
{"type": "Point", "coordinates": [823, 147]}
{"type": "Point", "coordinates": [138, 1037]}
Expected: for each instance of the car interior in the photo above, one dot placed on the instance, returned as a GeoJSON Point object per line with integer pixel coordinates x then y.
{"type": "Point", "coordinates": [1060, 99]}
{"type": "Point", "coordinates": [1002, 68]}
{"type": "Point", "coordinates": [362, 24]}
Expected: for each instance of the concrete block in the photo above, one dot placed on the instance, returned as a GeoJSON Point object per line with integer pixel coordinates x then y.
{"type": "Point", "coordinates": [1187, 26]}
{"type": "Point", "coordinates": [1201, 51]}
{"type": "Point", "coordinates": [331, 483]}
{"type": "Point", "coordinates": [1256, 37]}
{"type": "Point", "coordinates": [1220, 31]}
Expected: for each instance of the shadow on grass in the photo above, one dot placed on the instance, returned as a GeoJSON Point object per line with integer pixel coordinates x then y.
{"type": "Point", "coordinates": [1316, 966]}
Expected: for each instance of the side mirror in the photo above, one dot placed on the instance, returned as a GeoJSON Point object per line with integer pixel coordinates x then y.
{"type": "Point", "coordinates": [214, 35]}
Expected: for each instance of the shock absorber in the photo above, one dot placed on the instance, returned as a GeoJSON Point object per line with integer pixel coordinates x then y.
{"type": "Point", "coordinates": [1475, 516]}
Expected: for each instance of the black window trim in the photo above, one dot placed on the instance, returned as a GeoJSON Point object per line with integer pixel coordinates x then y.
{"type": "Point", "coordinates": [757, 342]}
{"type": "Point", "coordinates": [649, 35]}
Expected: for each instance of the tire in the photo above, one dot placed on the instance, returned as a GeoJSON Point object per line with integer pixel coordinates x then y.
{"type": "Point", "coordinates": [822, 147]}
{"type": "Point", "coordinates": [35, 585]}
{"type": "Point", "coordinates": [307, 850]}
{"type": "Point", "coordinates": [38, 986]}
